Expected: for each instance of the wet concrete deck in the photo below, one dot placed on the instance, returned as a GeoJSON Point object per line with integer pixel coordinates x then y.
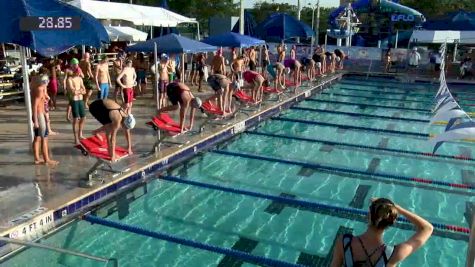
{"type": "Point", "coordinates": [28, 188]}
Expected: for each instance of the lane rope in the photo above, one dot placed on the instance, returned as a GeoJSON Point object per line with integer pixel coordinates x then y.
{"type": "Point", "coordinates": [359, 114]}
{"type": "Point", "coordinates": [332, 143]}
{"type": "Point", "coordinates": [379, 98]}
{"type": "Point", "coordinates": [304, 203]}
{"type": "Point", "coordinates": [368, 105]}
{"type": "Point", "coordinates": [344, 126]}
{"type": "Point", "coordinates": [379, 92]}
{"type": "Point", "coordinates": [346, 170]}
{"type": "Point", "coordinates": [187, 242]}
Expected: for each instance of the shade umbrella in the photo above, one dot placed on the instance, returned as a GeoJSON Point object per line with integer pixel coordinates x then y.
{"type": "Point", "coordinates": [280, 26]}
{"type": "Point", "coordinates": [49, 27]}
{"type": "Point", "coordinates": [170, 43]}
{"type": "Point", "coordinates": [232, 39]}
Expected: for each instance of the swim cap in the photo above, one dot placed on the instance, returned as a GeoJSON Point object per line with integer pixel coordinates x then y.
{"type": "Point", "coordinates": [164, 56]}
{"type": "Point", "coordinates": [74, 61]}
{"type": "Point", "coordinates": [103, 57]}
{"type": "Point", "coordinates": [235, 85]}
{"type": "Point", "coordinates": [44, 79]}
{"type": "Point", "coordinates": [196, 102]}
{"type": "Point", "coordinates": [287, 70]}
{"type": "Point", "coordinates": [129, 122]}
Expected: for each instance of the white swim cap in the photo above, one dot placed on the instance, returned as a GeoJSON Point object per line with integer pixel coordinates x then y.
{"type": "Point", "coordinates": [129, 122]}
{"type": "Point", "coordinates": [196, 102]}
{"type": "Point", "coordinates": [235, 85]}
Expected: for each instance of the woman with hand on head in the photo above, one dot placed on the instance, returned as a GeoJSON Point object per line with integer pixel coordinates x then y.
{"type": "Point", "coordinates": [368, 249]}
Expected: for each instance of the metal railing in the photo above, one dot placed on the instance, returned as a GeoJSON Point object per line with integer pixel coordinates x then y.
{"type": "Point", "coordinates": [114, 261]}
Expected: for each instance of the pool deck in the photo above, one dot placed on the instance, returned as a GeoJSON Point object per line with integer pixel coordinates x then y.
{"type": "Point", "coordinates": [29, 192]}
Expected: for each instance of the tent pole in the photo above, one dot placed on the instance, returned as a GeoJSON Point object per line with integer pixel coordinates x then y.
{"type": "Point", "coordinates": [4, 51]}
{"type": "Point", "coordinates": [83, 49]}
{"type": "Point", "coordinates": [260, 58]}
{"type": "Point", "coordinates": [157, 92]}
{"type": "Point", "coordinates": [26, 92]}
{"type": "Point", "coordinates": [182, 76]}
{"type": "Point", "coordinates": [455, 51]}
{"type": "Point", "coordinates": [198, 30]}
{"type": "Point", "coordinates": [326, 40]}
{"type": "Point", "coordinates": [397, 39]}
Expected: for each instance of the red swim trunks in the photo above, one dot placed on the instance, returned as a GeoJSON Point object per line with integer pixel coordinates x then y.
{"type": "Point", "coordinates": [53, 87]}
{"type": "Point", "coordinates": [128, 95]}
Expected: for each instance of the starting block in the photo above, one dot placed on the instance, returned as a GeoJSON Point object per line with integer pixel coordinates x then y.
{"type": "Point", "coordinates": [273, 91]}
{"type": "Point", "coordinates": [96, 148]}
{"type": "Point", "coordinates": [164, 123]}
{"type": "Point", "coordinates": [247, 100]}
{"type": "Point", "coordinates": [214, 114]}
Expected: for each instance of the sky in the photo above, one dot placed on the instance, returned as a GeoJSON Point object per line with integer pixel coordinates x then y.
{"type": "Point", "coordinates": [324, 3]}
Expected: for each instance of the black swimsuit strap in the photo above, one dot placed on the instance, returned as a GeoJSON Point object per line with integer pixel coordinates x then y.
{"type": "Point", "coordinates": [368, 255]}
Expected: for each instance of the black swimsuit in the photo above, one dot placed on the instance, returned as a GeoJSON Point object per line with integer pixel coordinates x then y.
{"type": "Point", "coordinates": [174, 93]}
{"type": "Point", "coordinates": [100, 111]}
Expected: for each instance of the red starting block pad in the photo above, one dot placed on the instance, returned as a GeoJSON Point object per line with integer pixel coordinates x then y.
{"type": "Point", "coordinates": [210, 108]}
{"type": "Point", "coordinates": [94, 147]}
{"type": "Point", "coordinates": [244, 97]}
{"type": "Point", "coordinates": [271, 90]}
{"type": "Point", "coordinates": [165, 123]}
{"type": "Point", "coordinates": [289, 83]}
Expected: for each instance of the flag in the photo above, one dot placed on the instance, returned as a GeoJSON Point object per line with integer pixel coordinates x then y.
{"type": "Point", "coordinates": [448, 114]}
{"type": "Point", "coordinates": [446, 103]}
{"type": "Point", "coordinates": [459, 131]}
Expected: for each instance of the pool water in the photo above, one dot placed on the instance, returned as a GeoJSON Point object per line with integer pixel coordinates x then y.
{"type": "Point", "coordinates": [273, 159]}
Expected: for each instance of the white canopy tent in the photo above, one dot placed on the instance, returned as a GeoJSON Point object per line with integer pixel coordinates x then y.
{"type": "Point", "coordinates": [439, 37]}
{"type": "Point", "coordinates": [137, 14]}
{"type": "Point", "coordinates": [127, 34]}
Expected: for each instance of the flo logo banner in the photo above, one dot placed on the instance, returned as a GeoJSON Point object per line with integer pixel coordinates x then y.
{"type": "Point", "coordinates": [402, 17]}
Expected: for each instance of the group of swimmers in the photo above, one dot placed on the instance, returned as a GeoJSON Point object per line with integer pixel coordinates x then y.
{"type": "Point", "coordinates": [129, 77]}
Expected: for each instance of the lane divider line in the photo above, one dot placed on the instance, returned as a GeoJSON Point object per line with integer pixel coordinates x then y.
{"type": "Point", "coordinates": [378, 98]}
{"type": "Point", "coordinates": [368, 105]}
{"type": "Point", "coordinates": [187, 242]}
{"type": "Point", "coordinates": [379, 92]}
{"type": "Point", "coordinates": [332, 143]}
{"type": "Point", "coordinates": [300, 202]}
{"type": "Point", "coordinates": [359, 114]}
{"type": "Point", "coordinates": [395, 87]}
{"type": "Point", "coordinates": [345, 170]}
{"type": "Point", "coordinates": [344, 126]}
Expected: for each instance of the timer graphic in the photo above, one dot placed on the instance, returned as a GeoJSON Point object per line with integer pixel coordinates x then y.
{"type": "Point", "coordinates": [40, 23]}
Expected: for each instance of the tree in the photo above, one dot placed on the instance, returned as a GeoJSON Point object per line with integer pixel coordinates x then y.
{"type": "Point", "coordinates": [431, 9]}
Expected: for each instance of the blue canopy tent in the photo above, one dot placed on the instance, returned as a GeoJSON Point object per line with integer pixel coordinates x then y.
{"type": "Point", "coordinates": [47, 42]}
{"type": "Point", "coordinates": [280, 26]}
{"type": "Point", "coordinates": [170, 43]}
{"type": "Point", "coordinates": [232, 39]}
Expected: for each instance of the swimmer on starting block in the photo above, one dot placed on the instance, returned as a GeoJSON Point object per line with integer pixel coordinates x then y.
{"type": "Point", "coordinates": [181, 97]}
{"type": "Point", "coordinates": [221, 87]}
{"type": "Point", "coordinates": [276, 70]}
{"type": "Point", "coordinates": [295, 67]}
{"type": "Point", "coordinates": [112, 117]}
{"type": "Point", "coordinates": [257, 80]}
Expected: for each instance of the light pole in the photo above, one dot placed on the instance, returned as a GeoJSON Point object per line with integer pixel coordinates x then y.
{"type": "Point", "coordinates": [318, 23]}
{"type": "Point", "coordinates": [241, 18]}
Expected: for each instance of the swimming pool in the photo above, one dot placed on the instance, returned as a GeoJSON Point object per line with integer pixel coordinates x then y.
{"type": "Point", "coordinates": [330, 149]}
